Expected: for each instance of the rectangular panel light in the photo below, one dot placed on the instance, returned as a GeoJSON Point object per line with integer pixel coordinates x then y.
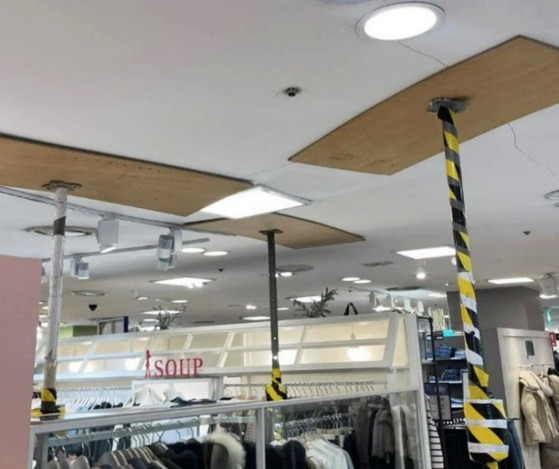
{"type": "Point", "coordinates": [188, 282]}
{"type": "Point", "coordinates": [510, 281]}
{"type": "Point", "coordinates": [428, 253]}
{"type": "Point", "coordinates": [252, 202]}
{"type": "Point", "coordinates": [308, 299]}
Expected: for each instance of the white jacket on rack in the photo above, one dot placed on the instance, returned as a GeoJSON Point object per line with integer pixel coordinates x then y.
{"type": "Point", "coordinates": [540, 422]}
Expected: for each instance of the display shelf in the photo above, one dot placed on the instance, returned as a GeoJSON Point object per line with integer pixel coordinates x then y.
{"type": "Point", "coordinates": [375, 343]}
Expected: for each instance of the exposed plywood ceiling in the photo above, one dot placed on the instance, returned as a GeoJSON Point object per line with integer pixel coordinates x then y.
{"type": "Point", "coordinates": [502, 84]}
{"type": "Point", "coordinates": [293, 232]}
{"type": "Point", "coordinates": [178, 191]}
{"type": "Point", "coordinates": [198, 85]}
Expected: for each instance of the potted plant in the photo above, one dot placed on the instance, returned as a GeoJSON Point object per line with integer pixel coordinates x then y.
{"type": "Point", "coordinates": [317, 309]}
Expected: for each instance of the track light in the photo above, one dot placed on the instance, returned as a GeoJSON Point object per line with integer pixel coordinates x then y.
{"type": "Point", "coordinates": [177, 240]}
{"type": "Point", "coordinates": [79, 269]}
{"type": "Point", "coordinates": [107, 234]}
{"type": "Point", "coordinates": [164, 252]}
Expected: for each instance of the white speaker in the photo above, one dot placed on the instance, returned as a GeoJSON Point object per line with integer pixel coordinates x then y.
{"type": "Point", "coordinates": [549, 286]}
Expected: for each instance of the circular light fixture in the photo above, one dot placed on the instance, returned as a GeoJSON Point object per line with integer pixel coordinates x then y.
{"type": "Point", "coordinates": [179, 301]}
{"type": "Point", "coordinates": [215, 253]}
{"type": "Point", "coordinates": [251, 307]}
{"type": "Point", "coordinates": [350, 279]}
{"type": "Point", "coordinates": [554, 195]}
{"type": "Point", "coordinates": [421, 275]}
{"type": "Point", "coordinates": [400, 21]}
{"type": "Point", "coordinates": [69, 232]}
{"type": "Point", "coordinates": [88, 293]}
{"type": "Point", "coordinates": [286, 274]}
{"type": "Point", "coordinates": [362, 281]}
{"type": "Point", "coordinates": [193, 250]}
{"type": "Point", "coordinates": [284, 308]}
{"type": "Point", "coordinates": [256, 318]}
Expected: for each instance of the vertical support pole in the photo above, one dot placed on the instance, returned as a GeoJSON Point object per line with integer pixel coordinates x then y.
{"type": "Point", "coordinates": [485, 417]}
{"type": "Point", "coordinates": [274, 391]}
{"type": "Point", "coordinates": [48, 394]}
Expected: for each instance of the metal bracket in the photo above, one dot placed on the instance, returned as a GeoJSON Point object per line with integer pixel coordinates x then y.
{"type": "Point", "coordinates": [275, 231]}
{"type": "Point", "coordinates": [53, 185]}
{"type": "Point", "coordinates": [454, 104]}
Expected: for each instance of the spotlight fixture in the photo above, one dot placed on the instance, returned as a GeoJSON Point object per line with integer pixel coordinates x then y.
{"type": "Point", "coordinates": [165, 252]}
{"type": "Point", "coordinates": [79, 269]}
{"type": "Point", "coordinates": [255, 201]}
{"type": "Point", "coordinates": [400, 21]}
{"type": "Point", "coordinates": [548, 285]}
{"type": "Point", "coordinates": [107, 234]}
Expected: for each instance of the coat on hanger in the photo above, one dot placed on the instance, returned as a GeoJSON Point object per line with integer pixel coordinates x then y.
{"type": "Point", "coordinates": [223, 451]}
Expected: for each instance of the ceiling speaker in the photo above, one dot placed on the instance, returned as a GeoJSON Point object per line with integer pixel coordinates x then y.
{"type": "Point", "coordinates": [548, 286]}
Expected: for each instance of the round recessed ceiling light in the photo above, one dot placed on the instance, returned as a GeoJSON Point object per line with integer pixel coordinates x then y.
{"type": "Point", "coordinates": [400, 21]}
{"type": "Point", "coordinates": [350, 279]}
{"type": "Point", "coordinates": [193, 250]}
{"type": "Point", "coordinates": [179, 301]}
{"type": "Point", "coordinates": [88, 293]}
{"type": "Point", "coordinates": [286, 274]}
{"type": "Point", "coordinates": [69, 232]}
{"type": "Point", "coordinates": [215, 253]}
{"type": "Point", "coordinates": [553, 195]}
{"type": "Point", "coordinates": [363, 281]}
{"type": "Point", "coordinates": [256, 318]}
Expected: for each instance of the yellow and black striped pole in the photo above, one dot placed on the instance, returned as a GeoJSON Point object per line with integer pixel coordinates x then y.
{"type": "Point", "coordinates": [485, 417]}
{"type": "Point", "coordinates": [275, 391]}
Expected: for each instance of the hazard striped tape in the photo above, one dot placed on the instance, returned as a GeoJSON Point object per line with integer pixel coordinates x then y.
{"type": "Point", "coordinates": [276, 391]}
{"type": "Point", "coordinates": [485, 417]}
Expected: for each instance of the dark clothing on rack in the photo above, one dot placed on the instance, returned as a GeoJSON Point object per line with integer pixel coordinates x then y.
{"type": "Point", "coordinates": [350, 445]}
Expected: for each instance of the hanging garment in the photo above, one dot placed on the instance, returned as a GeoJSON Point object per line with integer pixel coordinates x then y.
{"type": "Point", "coordinates": [515, 459]}
{"type": "Point", "coordinates": [435, 448]}
{"type": "Point", "coordinates": [223, 451]}
{"type": "Point", "coordinates": [540, 423]}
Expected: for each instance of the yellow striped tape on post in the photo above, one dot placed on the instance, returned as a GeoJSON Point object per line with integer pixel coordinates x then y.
{"type": "Point", "coordinates": [485, 417]}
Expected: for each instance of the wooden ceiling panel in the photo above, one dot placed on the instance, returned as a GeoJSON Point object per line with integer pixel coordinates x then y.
{"type": "Point", "coordinates": [29, 164]}
{"type": "Point", "coordinates": [295, 232]}
{"type": "Point", "coordinates": [507, 82]}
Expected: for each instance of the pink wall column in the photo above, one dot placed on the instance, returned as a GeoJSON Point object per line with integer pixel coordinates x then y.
{"type": "Point", "coordinates": [20, 283]}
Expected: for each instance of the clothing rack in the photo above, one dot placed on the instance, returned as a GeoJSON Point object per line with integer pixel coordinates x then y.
{"type": "Point", "coordinates": [295, 428]}
{"type": "Point", "coordinates": [298, 389]}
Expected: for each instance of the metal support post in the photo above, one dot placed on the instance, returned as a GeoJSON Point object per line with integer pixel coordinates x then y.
{"type": "Point", "coordinates": [485, 417]}
{"type": "Point", "coordinates": [48, 394]}
{"type": "Point", "coordinates": [274, 391]}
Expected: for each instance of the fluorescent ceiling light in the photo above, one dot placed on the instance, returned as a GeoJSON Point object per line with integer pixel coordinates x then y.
{"type": "Point", "coordinates": [363, 280]}
{"type": "Point", "coordinates": [400, 21]}
{"type": "Point", "coordinates": [142, 298]}
{"type": "Point", "coordinates": [251, 202]}
{"type": "Point", "coordinates": [179, 301]}
{"type": "Point", "coordinates": [150, 320]}
{"type": "Point", "coordinates": [436, 295]}
{"type": "Point", "coordinates": [285, 308]}
{"type": "Point", "coordinates": [256, 318]}
{"type": "Point", "coordinates": [193, 250]}
{"type": "Point", "coordinates": [350, 279]}
{"type": "Point", "coordinates": [286, 274]}
{"type": "Point", "coordinates": [510, 281]}
{"type": "Point", "coordinates": [155, 312]}
{"type": "Point", "coordinates": [308, 299]}
{"type": "Point", "coordinates": [215, 253]}
{"type": "Point", "coordinates": [189, 282]}
{"type": "Point", "coordinates": [251, 307]}
{"type": "Point", "coordinates": [428, 253]}
{"type": "Point", "coordinates": [547, 297]}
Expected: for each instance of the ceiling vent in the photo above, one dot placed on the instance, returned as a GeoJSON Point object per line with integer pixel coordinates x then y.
{"type": "Point", "coordinates": [378, 264]}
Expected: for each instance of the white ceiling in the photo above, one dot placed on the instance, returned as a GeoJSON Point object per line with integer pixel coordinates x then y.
{"type": "Point", "coordinates": [198, 84]}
